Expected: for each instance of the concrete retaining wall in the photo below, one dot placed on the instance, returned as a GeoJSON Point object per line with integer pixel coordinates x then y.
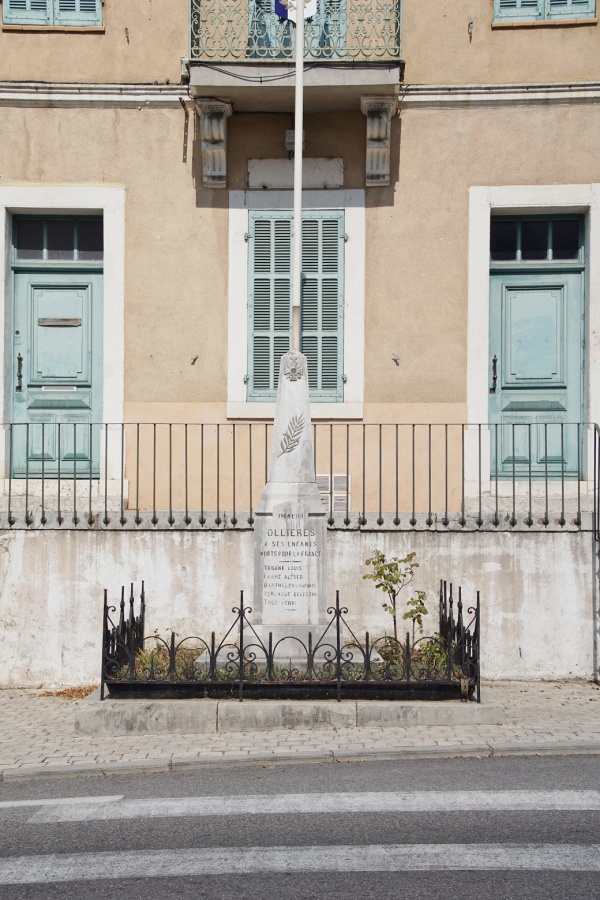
{"type": "Point", "coordinates": [538, 593]}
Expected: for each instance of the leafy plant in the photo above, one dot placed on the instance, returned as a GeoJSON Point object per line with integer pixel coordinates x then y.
{"type": "Point", "coordinates": [391, 576]}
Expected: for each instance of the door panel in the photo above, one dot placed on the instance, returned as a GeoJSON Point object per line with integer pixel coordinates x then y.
{"type": "Point", "coordinates": [536, 335]}
{"type": "Point", "coordinates": [58, 333]}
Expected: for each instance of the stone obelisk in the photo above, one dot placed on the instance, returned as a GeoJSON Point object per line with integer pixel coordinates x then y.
{"type": "Point", "coordinates": [290, 529]}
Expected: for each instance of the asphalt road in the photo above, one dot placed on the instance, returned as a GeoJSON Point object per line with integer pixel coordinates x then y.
{"type": "Point", "coordinates": [466, 828]}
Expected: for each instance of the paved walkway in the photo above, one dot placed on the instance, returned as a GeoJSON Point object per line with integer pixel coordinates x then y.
{"type": "Point", "coordinates": [37, 736]}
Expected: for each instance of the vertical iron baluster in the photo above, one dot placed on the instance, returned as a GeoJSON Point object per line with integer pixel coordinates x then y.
{"type": "Point", "coordinates": [250, 517]}
{"type": "Point", "coordinates": [43, 520]}
{"type": "Point", "coordinates": [267, 452]}
{"type": "Point", "coordinates": [11, 518]}
{"type": "Point", "coordinates": [106, 427]}
{"type": "Point", "coordinates": [529, 520]}
{"type": "Point", "coordinates": [397, 516]}
{"type": "Point", "coordinates": [241, 669]}
{"type": "Point", "coordinates": [347, 519]}
{"type": "Point", "coordinates": [546, 519]}
{"type": "Point", "coordinates": [75, 516]}
{"type": "Point", "coordinates": [202, 520]}
{"type": "Point", "coordinates": [496, 520]}
{"type": "Point", "coordinates": [28, 519]}
{"type": "Point", "coordinates": [187, 519]}
{"type": "Point", "coordinates": [154, 516]}
{"type": "Point", "coordinates": [331, 520]}
{"type": "Point", "coordinates": [578, 516]}
{"type": "Point", "coordinates": [170, 519]}
{"type": "Point", "coordinates": [596, 483]}
{"type": "Point", "coordinates": [314, 447]}
{"type": "Point", "coordinates": [363, 519]}
{"type": "Point", "coordinates": [380, 486]}
{"type": "Point", "coordinates": [122, 519]}
{"type": "Point", "coordinates": [479, 518]}
{"type": "Point", "coordinates": [218, 516]}
{"type": "Point", "coordinates": [413, 518]}
{"type": "Point", "coordinates": [462, 521]}
{"type": "Point", "coordinates": [513, 520]}
{"type": "Point", "coordinates": [58, 456]}
{"type": "Point", "coordinates": [234, 520]}
{"type": "Point", "coordinates": [137, 474]}
{"type": "Point", "coordinates": [90, 517]}
{"type": "Point", "coordinates": [429, 519]}
{"type": "Point", "coordinates": [338, 653]}
{"type": "Point", "coordinates": [562, 519]}
{"type": "Point", "coordinates": [445, 520]}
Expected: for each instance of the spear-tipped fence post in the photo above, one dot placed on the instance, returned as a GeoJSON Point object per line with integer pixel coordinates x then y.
{"type": "Point", "coordinates": [104, 641]}
{"type": "Point", "coordinates": [241, 667]}
{"type": "Point", "coordinates": [172, 657]}
{"type": "Point", "coordinates": [338, 633]}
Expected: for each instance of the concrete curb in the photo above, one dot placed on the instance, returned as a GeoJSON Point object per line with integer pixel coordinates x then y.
{"type": "Point", "coordinates": [165, 765]}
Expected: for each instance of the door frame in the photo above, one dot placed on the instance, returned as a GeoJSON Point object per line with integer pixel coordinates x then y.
{"type": "Point", "coordinates": [523, 200]}
{"type": "Point", "coordinates": [109, 202]}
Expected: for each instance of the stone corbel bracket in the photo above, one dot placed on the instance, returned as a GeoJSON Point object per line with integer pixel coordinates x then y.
{"type": "Point", "coordinates": [379, 112]}
{"type": "Point", "coordinates": [213, 135]}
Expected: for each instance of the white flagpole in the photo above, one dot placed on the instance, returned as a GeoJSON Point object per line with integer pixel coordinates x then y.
{"type": "Point", "coordinates": [298, 129]}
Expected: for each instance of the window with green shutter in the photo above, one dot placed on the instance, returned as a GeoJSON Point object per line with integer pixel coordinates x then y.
{"type": "Point", "coordinates": [514, 10]}
{"type": "Point", "coordinates": [71, 13]}
{"type": "Point", "coordinates": [270, 301]}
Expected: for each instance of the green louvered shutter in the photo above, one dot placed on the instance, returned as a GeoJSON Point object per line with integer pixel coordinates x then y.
{"type": "Point", "coordinates": [519, 9]}
{"type": "Point", "coordinates": [571, 9]}
{"type": "Point", "coordinates": [322, 302]}
{"type": "Point", "coordinates": [77, 12]}
{"type": "Point", "coordinates": [27, 12]}
{"type": "Point", "coordinates": [269, 300]}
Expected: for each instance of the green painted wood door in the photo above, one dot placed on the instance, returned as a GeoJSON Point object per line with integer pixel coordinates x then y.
{"type": "Point", "coordinates": [536, 335]}
{"type": "Point", "coordinates": [57, 401]}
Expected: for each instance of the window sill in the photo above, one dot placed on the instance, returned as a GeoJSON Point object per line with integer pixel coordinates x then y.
{"type": "Point", "coordinates": [544, 23]}
{"type": "Point", "coordinates": [60, 29]}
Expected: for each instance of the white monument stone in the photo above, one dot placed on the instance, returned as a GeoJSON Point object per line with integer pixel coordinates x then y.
{"type": "Point", "coordinates": [290, 530]}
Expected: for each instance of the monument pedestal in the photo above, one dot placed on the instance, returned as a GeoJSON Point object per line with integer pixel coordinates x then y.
{"type": "Point", "coordinates": [290, 535]}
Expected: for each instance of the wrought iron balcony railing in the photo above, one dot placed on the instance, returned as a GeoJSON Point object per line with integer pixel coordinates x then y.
{"type": "Point", "coordinates": [153, 476]}
{"type": "Point", "coordinates": [251, 30]}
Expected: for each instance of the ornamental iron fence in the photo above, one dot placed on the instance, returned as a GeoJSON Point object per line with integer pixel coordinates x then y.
{"type": "Point", "coordinates": [260, 31]}
{"type": "Point", "coordinates": [383, 476]}
{"type": "Point", "coordinates": [245, 663]}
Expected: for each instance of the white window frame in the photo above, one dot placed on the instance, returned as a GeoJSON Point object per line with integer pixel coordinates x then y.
{"type": "Point", "coordinates": [352, 202]}
{"type": "Point", "coordinates": [72, 200]}
{"type": "Point", "coordinates": [583, 199]}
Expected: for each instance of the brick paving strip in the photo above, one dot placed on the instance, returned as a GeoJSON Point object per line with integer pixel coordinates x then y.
{"type": "Point", "coordinates": [38, 736]}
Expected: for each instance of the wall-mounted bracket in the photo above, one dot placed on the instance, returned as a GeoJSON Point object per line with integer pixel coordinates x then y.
{"type": "Point", "coordinates": [213, 134]}
{"type": "Point", "coordinates": [379, 112]}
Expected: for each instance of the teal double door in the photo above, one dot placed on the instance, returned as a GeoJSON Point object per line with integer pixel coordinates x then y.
{"type": "Point", "coordinates": [536, 374]}
{"type": "Point", "coordinates": [57, 373]}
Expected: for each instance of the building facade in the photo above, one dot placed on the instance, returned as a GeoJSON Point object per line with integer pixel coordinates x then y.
{"type": "Point", "coordinates": [451, 295]}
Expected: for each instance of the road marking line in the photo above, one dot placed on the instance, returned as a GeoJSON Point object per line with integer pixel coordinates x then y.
{"type": "Point", "coordinates": [59, 801]}
{"type": "Point", "coordinates": [245, 860]}
{"type": "Point", "coordinates": [281, 804]}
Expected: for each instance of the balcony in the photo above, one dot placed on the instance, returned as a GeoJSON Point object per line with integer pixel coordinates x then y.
{"type": "Point", "coordinates": [243, 52]}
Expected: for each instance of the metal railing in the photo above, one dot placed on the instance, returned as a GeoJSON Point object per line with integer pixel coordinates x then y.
{"type": "Point", "coordinates": [337, 664]}
{"type": "Point", "coordinates": [250, 30]}
{"type": "Point", "coordinates": [516, 476]}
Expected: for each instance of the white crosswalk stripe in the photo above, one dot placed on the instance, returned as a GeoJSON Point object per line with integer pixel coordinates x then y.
{"type": "Point", "coordinates": [248, 860]}
{"type": "Point", "coordinates": [58, 801]}
{"type": "Point", "coordinates": [282, 804]}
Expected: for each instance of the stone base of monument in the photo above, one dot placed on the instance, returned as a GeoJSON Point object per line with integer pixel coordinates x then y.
{"type": "Point", "coordinates": [205, 716]}
{"type": "Point", "coordinates": [289, 571]}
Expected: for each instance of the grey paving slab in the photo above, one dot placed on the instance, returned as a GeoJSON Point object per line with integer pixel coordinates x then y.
{"type": "Point", "coordinates": [39, 739]}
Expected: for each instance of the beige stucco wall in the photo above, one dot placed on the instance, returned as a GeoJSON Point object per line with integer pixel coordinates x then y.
{"type": "Point", "coordinates": [416, 247]}
{"type": "Point", "coordinates": [437, 49]}
{"type": "Point", "coordinates": [143, 41]}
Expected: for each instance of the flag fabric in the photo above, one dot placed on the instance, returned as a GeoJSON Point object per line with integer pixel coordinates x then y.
{"type": "Point", "coordinates": [286, 9]}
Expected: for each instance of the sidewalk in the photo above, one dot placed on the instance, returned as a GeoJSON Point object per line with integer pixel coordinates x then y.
{"type": "Point", "coordinates": [38, 737]}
